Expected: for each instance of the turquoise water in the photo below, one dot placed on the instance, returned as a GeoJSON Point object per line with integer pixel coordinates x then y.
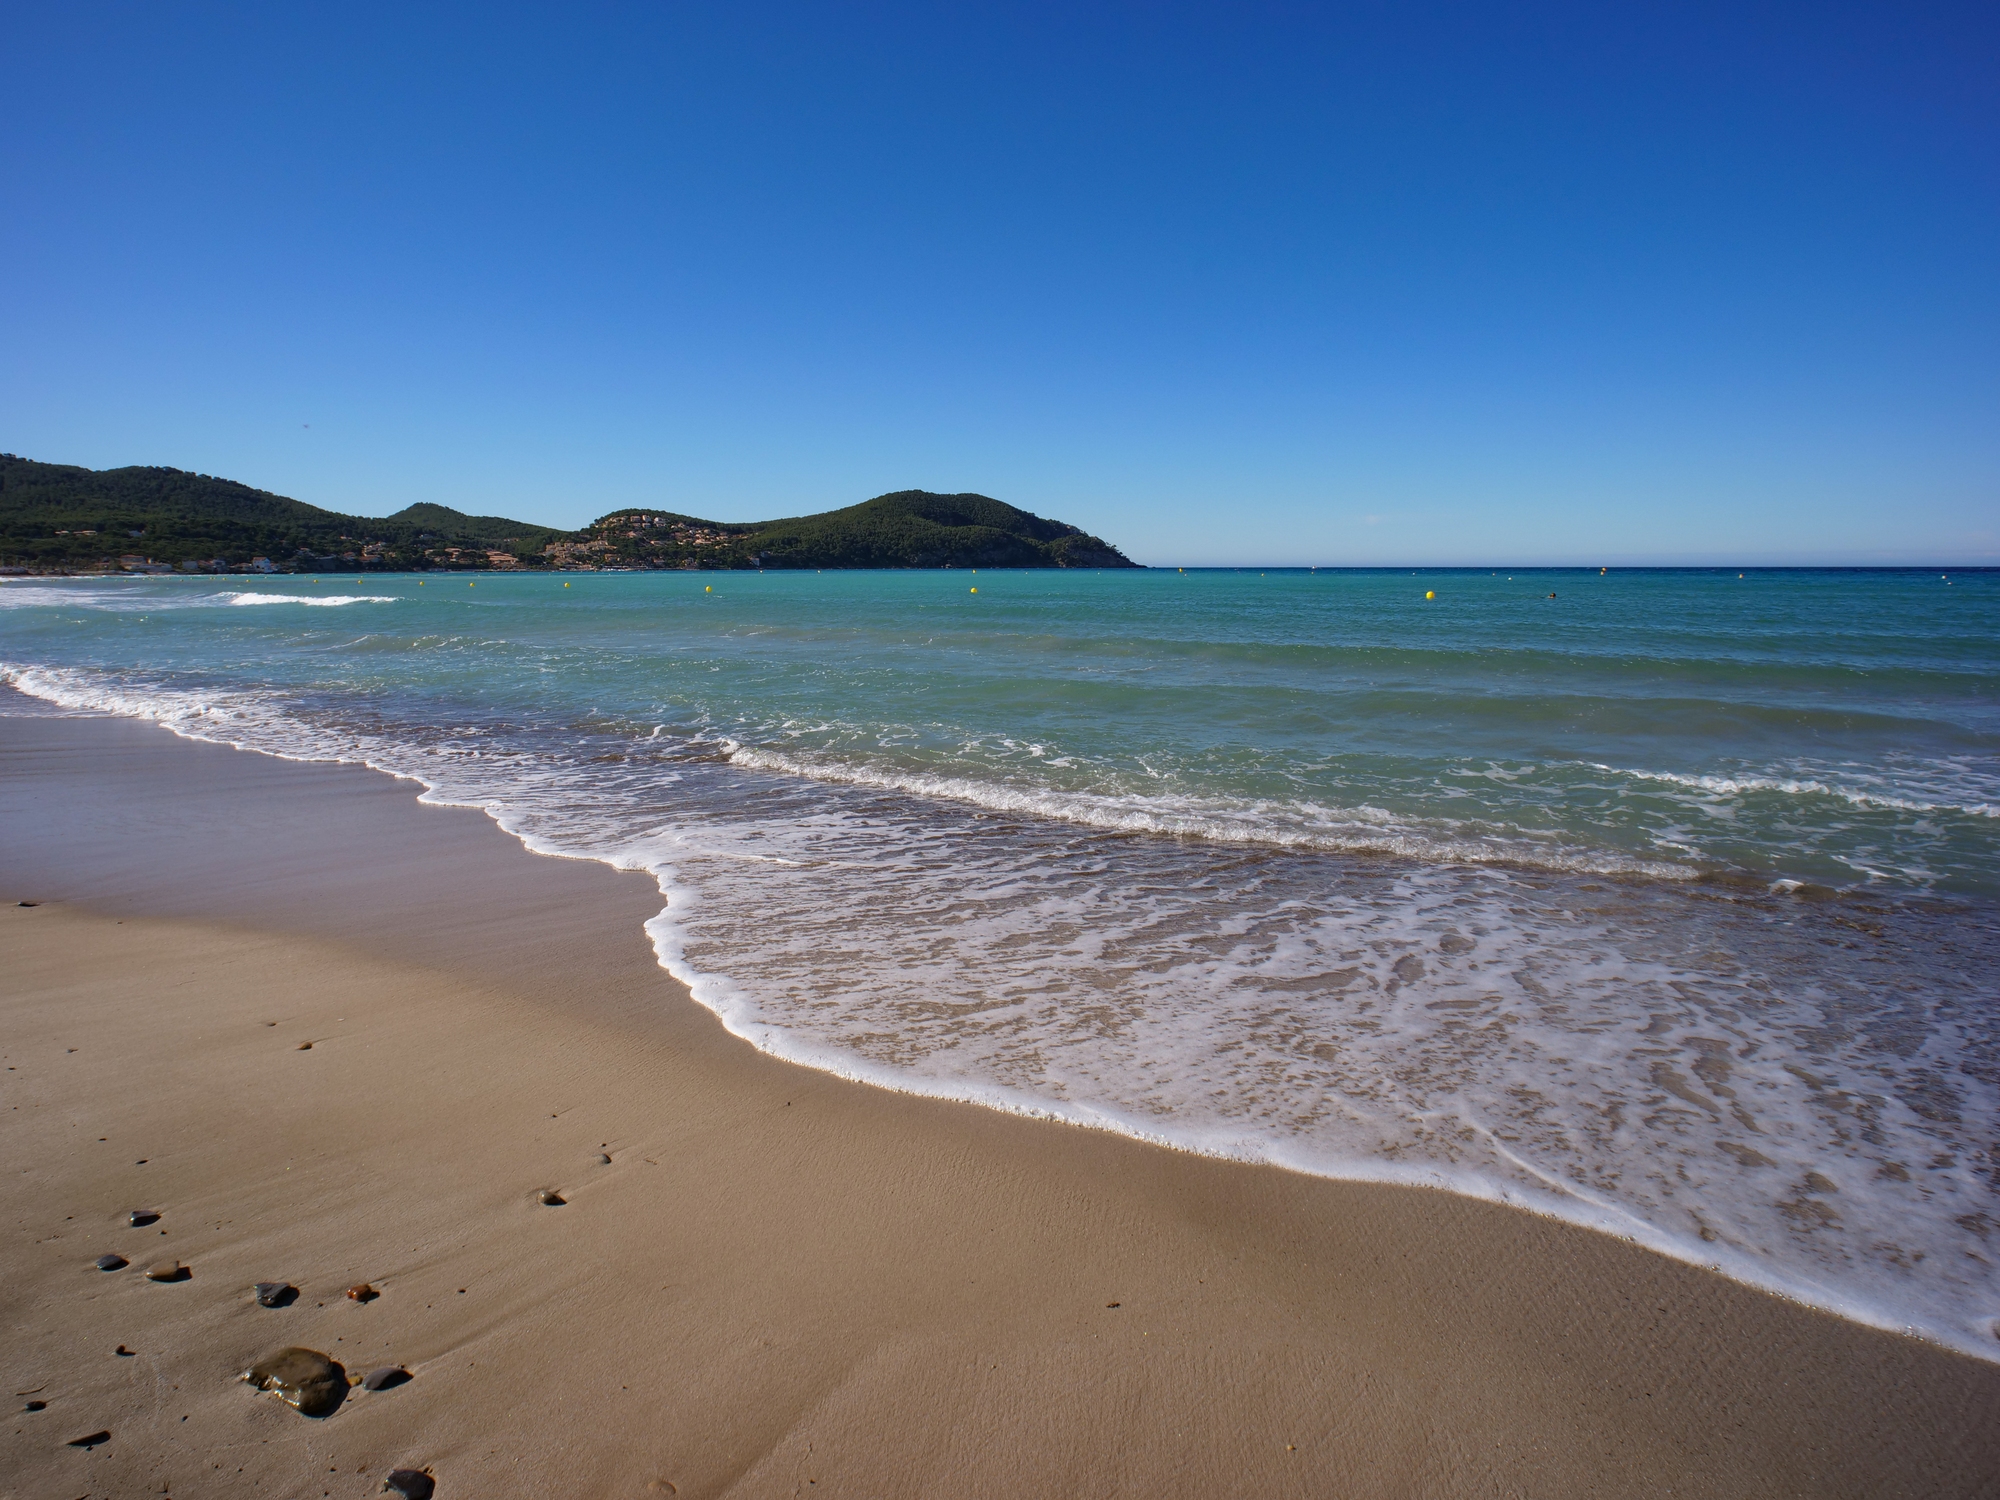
{"type": "Point", "coordinates": [1666, 904]}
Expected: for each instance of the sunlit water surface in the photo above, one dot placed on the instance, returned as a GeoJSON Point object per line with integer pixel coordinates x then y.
{"type": "Point", "coordinates": [1665, 904]}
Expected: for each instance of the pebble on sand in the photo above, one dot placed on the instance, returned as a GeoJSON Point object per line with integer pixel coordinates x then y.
{"type": "Point", "coordinates": [167, 1270]}
{"type": "Point", "coordinates": [36, 1406]}
{"type": "Point", "coordinates": [603, 1160]}
{"type": "Point", "coordinates": [411, 1484]}
{"type": "Point", "coordinates": [303, 1378]}
{"type": "Point", "coordinates": [550, 1198]}
{"type": "Point", "coordinates": [305, 1046]}
{"type": "Point", "coordinates": [362, 1293]}
{"type": "Point", "coordinates": [112, 1263]}
{"type": "Point", "coordinates": [274, 1293]}
{"type": "Point", "coordinates": [89, 1440]}
{"type": "Point", "coordinates": [141, 1217]}
{"type": "Point", "coordinates": [387, 1378]}
{"type": "Point", "coordinates": [123, 1353]}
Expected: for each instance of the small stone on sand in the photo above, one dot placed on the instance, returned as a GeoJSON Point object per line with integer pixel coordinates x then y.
{"type": "Point", "coordinates": [362, 1293]}
{"type": "Point", "coordinates": [123, 1353]}
{"type": "Point", "coordinates": [89, 1440]}
{"type": "Point", "coordinates": [36, 1406]}
{"type": "Point", "coordinates": [411, 1484]}
{"type": "Point", "coordinates": [141, 1217]}
{"type": "Point", "coordinates": [27, 903]}
{"type": "Point", "coordinates": [275, 1293]}
{"type": "Point", "coordinates": [303, 1378]}
{"type": "Point", "coordinates": [388, 1377]}
{"type": "Point", "coordinates": [550, 1198]}
{"type": "Point", "coordinates": [603, 1160]}
{"type": "Point", "coordinates": [112, 1263]}
{"type": "Point", "coordinates": [305, 1046]}
{"type": "Point", "coordinates": [167, 1270]}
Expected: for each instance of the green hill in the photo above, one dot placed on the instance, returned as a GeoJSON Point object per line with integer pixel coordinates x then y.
{"type": "Point", "coordinates": [57, 518]}
{"type": "Point", "coordinates": [909, 529]}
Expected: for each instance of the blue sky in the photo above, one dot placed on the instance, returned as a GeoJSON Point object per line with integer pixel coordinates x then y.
{"type": "Point", "coordinates": [1225, 284]}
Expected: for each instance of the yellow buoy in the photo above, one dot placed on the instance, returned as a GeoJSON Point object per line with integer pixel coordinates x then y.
{"type": "Point", "coordinates": [1430, 593]}
{"type": "Point", "coordinates": [565, 585]}
{"type": "Point", "coordinates": [975, 591]}
{"type": "Point", "coordinates": [709, 589]}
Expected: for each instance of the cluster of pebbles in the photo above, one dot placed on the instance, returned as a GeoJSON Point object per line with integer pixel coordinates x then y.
{"type": "Point", "coordinates": [312, 1383]}
{"type": "Point", "coordinates": [159, 1270]}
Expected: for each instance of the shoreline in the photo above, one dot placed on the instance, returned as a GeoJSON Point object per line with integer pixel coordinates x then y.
{"type": "Point", "coordinates": [1416, 1339]}
{"type": "Point", "coordinates": [1562, 1204]}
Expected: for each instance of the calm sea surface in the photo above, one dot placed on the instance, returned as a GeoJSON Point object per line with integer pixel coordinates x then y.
{"type": "Point", "coordinates": [1667, 902]}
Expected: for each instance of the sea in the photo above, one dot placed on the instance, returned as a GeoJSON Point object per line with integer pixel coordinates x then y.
{"type": "Point", "coordinates": [1665, 902]}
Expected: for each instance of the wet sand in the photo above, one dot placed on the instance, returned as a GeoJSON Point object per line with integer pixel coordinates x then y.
{"type": "Point", "coordinates": [782, 1283]}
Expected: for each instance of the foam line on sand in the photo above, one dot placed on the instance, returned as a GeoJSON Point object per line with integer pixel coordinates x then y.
{"type": "Point", "coordinates": [782, 1282]}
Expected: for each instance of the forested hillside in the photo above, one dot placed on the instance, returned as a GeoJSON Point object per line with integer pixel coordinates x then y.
{"type": "Point", "coordinates": [909, 529]}
{"type": "Point", "coordinates": [56, 518]}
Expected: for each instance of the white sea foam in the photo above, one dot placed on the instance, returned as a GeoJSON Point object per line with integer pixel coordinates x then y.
{"type": "Point", "coordinates": [137, 597]}
{"type": "Point", "coordinates": [1858, 796]}
{"type": "Point", "coordinates": [321, 601]}
{"type": "Point", "coordinates": [1294, 825]}
{"type": "Point", "coordinates": [1622, 1056]}
{"type": "Point", "coordinates": [1467, 1029]}
{"type": "Point", "coordinates": [43, 596]}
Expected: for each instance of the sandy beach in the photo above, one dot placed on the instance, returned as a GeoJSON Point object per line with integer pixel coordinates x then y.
{"type": "Point", "coordinates": [333, 1036]}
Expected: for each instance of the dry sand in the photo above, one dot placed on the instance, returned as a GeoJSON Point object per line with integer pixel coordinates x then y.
{"type": "Point", "coordinates": [782, 1283]}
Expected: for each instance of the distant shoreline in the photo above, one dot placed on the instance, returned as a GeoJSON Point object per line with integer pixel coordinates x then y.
{"type": "Point", "coordinates": [1465, 569]}
{"type": "Point", "coordinates": [156, 520]}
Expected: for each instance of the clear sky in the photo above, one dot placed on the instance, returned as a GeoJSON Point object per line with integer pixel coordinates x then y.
{"type": "Point", "coordinates": [1228, 283]}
